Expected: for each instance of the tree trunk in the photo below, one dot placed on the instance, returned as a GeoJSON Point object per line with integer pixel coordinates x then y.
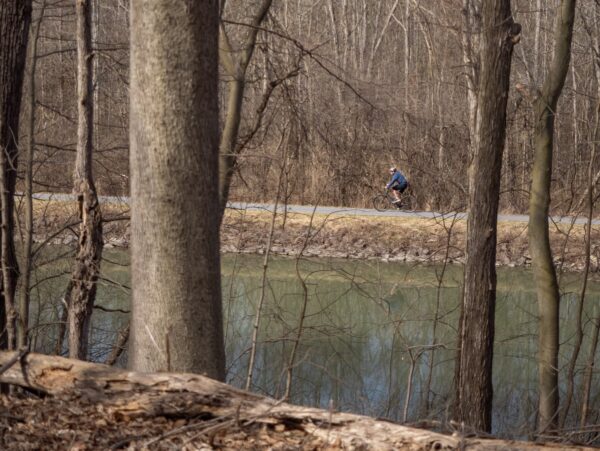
{"type": "Point", "coordinates": [82, 295]}
{"type": "Point", "coordinates": [24, 299]}
{"type": "Point", "coordinates": [579, 325]}
{"type": "Point", "coordinates": [474, 388]}
{"type": "Point", "coordinates": [236, 67]}
{"type": "Point", "coordinates": [539, 204]}
{"type": "Point", "coordinates": [588, 374]}
{"type": "Point", "coordinates": [15, 18]}
{"type": "Point", "coordinates": [470, 38]}
{"type": "Point", "coordinates": [176, 273]}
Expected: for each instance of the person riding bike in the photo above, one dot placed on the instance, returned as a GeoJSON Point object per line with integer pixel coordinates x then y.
{"type": "Point", "coordinates": [398, 184]}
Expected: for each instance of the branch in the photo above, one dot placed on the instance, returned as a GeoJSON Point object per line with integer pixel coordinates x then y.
{"type": "Point", "coordinates": [310, 54]}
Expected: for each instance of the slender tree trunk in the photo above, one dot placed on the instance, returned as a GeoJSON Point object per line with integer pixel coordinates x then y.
{"type": "Point", "coordinates": [265, 267]}
{"type": "Point", "coordinates": [28, 182]}
{"type": "Point", "coordinates": [539, 204]}
{"type": "Point", "coordinates": [119, 346]}
{"type": "Point", "coordinates": [176, 319]}
{"type": "Point", "coordinates": [227, 148]}
{"type": "Point", "coordinates": [588, 374]}
{"type": "Point", "coordinates": [15, 18]}
{"type": "Point", "coordinates": [586, 272]}
{"type": "Point", "coordinates": [425, 404]}
{"type": "Point", "coordinates": [471, 37]}
{"type": "Point", "coordinates": [536, 41]}
{"type": "Point", "coordinates": [590, 364]}
{"type": "Point", "coordinates": [85, 274]}
{"type": "Point", "coordinates": [236, 67]}
{"type": "Point", "coordinates": [291, 364]}
{"type": "Point", "coordinates": [474, 390]}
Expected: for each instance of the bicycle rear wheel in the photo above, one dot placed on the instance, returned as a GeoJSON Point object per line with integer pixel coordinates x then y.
{"type": "Point", "coordinates": [381, 202]}
{"type": "Point", "coordinates": [408, 202]}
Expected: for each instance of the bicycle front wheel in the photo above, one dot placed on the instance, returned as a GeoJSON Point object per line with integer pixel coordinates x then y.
{"type": "Point", "coordinates": [381, 202]}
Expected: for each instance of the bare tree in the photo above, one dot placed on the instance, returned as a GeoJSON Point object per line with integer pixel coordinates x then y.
{"type": "Point", "coordinates": [176, 307]}
{"type": "Point", "coordinates": [235, 62]}
{"type": "Point", "coordinates": [82, 288]}
{"type": "Point", "coordinates": [474, 385]}
{"type": "Point", "coordinates": [26, 265]}
{"type": "Point", "coordinates": [588, 372]}
{"type": "Point", "coordinates": [15, 18]}
{"type": "Point", "coordinates": [539, 205]}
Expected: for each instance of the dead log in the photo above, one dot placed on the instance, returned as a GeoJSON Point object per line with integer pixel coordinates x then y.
{"type": "Point", "coordinates": [151, 395]}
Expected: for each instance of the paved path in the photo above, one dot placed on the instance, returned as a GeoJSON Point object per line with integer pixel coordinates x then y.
{"type": "Point", "coordinates": [307, 209]}
{"type": "Point", "coordinates": [337, 211]}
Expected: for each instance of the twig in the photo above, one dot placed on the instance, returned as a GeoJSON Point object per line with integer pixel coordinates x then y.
{"type": "Point", "coordinates": [111, 310]}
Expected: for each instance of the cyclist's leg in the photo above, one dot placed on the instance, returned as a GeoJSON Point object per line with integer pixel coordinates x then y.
{"type": "Point", "coordinates": [398, 190]}
{"type": "Point", "coordinates": [398, 196]}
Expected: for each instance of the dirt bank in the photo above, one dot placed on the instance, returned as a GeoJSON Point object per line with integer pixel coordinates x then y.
{"type": "Point", "coordinates": [394, 239]}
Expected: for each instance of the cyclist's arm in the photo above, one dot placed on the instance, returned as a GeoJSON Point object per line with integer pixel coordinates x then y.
{"type": "Point", "coordinates": [394, 180]}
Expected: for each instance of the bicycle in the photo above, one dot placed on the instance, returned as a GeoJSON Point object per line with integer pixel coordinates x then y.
{"type": "Point", "coordinates": [385, 201]}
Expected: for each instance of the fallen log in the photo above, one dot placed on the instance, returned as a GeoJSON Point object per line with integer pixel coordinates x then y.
{"type": "Point", "coordinates": [209, 406]}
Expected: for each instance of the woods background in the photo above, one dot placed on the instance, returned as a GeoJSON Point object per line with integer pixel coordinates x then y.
{"type": "Point", "coordinates": [316, 100]}
{"type": "Point", "coordinates": [337, 90]}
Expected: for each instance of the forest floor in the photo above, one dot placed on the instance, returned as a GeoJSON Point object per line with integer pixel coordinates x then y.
{"type": "Point", "coordinates": [393, 239]}
{"type": "Point", "coordinates": [75, 405]}
{"type": "Point", "coordinates": [76, 423]}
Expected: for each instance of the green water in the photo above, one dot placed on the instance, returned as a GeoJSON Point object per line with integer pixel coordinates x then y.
{"type": "Point", "coordinates": [366, 324]}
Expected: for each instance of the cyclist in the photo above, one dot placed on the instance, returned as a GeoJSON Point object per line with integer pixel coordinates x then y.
{"type": "Point", "coordinates": [398, 184]}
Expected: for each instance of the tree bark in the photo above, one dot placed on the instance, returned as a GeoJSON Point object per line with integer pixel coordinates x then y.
{"type": "Point", "coordinates": [82, 295]}
{"type": "Point", "coordinates": [470, 39]}
{"type": "Point", "coordinates": [15, 18]}
{"type": "Point", "coordinates": [26, 262]}
{"type": "Point", "coordinates": [236, 67]}
{"type": "Point", "coordinates": [579, 325]}
{"type": "Point", "coordinates": [539, 204]}
{"type": "Point", "coordinates": [588, 373]}
{"type": "Point", "coordinates": [474, 388]}
{"type": "Point", "coordinates": [176, 273]}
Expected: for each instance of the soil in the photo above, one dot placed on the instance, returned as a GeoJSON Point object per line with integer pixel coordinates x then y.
{"type": "Point", "coordinates": [391, 239]}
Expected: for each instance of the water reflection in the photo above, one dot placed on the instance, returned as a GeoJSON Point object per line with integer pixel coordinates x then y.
{"type": "Point", "coordinates": [367, 325]}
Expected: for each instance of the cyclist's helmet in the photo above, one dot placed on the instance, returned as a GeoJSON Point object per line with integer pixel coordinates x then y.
{"type": "Point", "coordinates": [392, 168]}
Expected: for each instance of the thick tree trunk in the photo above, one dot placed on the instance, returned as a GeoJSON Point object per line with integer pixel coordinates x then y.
{"type": "Point", "coordinates": [15, 18]}
{"type": "Point", "coordinates": [176, 273]}
{"type": "Point", "coordinates": [474, 388]}
{"type": "Point", "coordinates": [539, 204]}
{"type": "Point", "coordinates": [82, 295]}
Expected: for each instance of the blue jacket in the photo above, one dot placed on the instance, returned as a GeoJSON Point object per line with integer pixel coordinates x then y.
{"type": "Point", "coordinates": [397, 179]}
